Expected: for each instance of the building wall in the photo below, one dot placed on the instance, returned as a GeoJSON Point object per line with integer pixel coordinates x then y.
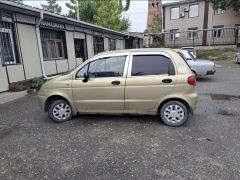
{"type": "Point", "coordinates": [186, 21]}
{"type": "Point", "coordinates": [228, 19]}
{"type": "Point", "coordinates": [90, 47]}
{"type": "Point", "coordinates": [3, 80]}
{"type": "Point", "coordinates": [71, 64]}
{"type": "Point", "coordinates": [119, 44]}
{"type": "Point", "coordinates": [106, 44]}
{"type": "Point", "coordinates": [50, 67]}
{"type": "Point", "coordinates": [29, 49]}
{"type": "Point", "coordinates": [15, 73]}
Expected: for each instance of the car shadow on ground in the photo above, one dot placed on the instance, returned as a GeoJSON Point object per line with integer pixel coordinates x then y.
{"type": "Point", "coordinates": [206, 79]}
{"type": "Point", "coordinates": [94, 118]}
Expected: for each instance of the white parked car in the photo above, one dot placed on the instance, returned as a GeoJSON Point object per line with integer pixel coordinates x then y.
{"type": "Point", "coordinates": [237, 57]}
{"type": "Point", "coordinates": [200, 67]}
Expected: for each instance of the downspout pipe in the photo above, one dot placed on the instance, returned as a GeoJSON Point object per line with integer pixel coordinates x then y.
{"type": "Point", "coordinates": [40, 45]}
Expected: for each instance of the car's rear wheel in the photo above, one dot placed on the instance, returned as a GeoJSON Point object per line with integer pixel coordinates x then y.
{"type": "Point", "coordinates": [174, 113]}
{"type": "Point", "coordinates": [60, 111]}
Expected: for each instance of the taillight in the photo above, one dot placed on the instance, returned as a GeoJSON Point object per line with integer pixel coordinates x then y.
{"type": "Point", "coordinates": [192, 80]}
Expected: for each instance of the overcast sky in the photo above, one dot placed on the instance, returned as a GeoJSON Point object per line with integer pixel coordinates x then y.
{"type": "Point", "coordinates": [137, 13]}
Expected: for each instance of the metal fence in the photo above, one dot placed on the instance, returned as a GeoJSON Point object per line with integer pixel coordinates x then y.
{"type": "Point", "coordinates": [204, 37]}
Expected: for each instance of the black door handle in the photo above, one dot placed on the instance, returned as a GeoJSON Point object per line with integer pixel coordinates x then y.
{"type": "Point", "coordinates": [116, 82]}
{"type": "Point", "coordinates": [167, 80]}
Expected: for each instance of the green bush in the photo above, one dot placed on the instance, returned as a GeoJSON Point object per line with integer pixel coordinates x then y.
{"type": "Point", "coordinates": [38, 82]}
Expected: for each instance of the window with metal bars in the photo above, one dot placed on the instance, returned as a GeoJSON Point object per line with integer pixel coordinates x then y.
{"type": "Point", "coordinates": [192, 33]}
{"type": "Point", "coordinates": [53, 44]}
{"type": "Point", "coordinates": [98, 44]}
{"type": "Point", "coordinates": [80, 50]}
{"type": "Point", "coordinates": [8, 53]}
{"type": "Point", "coordinates": [218, 31]}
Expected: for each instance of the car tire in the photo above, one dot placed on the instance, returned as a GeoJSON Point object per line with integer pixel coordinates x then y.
{"type": "Point", "coordinates": [174, 113]}
{"type": "Point", "coordinates": [60, 111]}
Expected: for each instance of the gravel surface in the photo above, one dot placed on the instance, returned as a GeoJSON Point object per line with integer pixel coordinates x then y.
{"type": "Point", "coordinates": [127, 147]}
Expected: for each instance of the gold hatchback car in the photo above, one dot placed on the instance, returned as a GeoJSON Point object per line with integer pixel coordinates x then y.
{"type": "Point", "coordinates": [139, 81]}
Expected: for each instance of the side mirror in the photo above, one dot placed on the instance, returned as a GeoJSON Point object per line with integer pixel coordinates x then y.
{"type": "Point", "coordinates": [85, 77]}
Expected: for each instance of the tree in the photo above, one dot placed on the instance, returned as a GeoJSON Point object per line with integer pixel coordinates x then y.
{"type": "Point", "coordinates": [102, 13]}
{"type": "Point", "coordinates": [87, 10]}
{"type": "Point", "coordinates": [156, 26]}
{"type": "Point", "coordinates": [108, 14]}
{"type": "Point", "coordinates": [52, 6]}
{"type": "Point", "coordinates": [225, 4]}
{"type": "Point", "coordinates": [17, 1]}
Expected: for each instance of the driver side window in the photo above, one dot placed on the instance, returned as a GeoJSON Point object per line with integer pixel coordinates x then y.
{"type": "Point", "coordinates": [107, 67]}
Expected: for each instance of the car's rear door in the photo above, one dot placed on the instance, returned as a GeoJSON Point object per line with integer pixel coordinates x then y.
{"type": "Point", "coordinates": [151, 77]}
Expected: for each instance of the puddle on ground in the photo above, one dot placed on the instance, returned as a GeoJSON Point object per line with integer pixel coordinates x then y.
{"type": "Point", "coordinates": [225, 112]}
{"type": "Point", "coordinates": [224, 97]}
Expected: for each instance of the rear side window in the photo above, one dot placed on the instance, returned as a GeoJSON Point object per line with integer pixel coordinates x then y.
{"type": "Point", "coordinates": [143, 65]}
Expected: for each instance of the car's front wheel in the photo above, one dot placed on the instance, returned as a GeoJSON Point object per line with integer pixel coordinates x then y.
{"type": "Point", "coordinates": [174, 113]}
{"type": "Point", "coordinates": [60, 111]}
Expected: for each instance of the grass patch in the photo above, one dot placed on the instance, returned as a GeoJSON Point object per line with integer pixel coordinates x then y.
{"type": "Point", "coordinates": [216, 54]}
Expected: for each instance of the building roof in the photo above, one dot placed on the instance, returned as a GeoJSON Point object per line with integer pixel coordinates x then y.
{"type": "Point", "coordinates": [136, 34]}
{"type": "Point", "coordinates": [28, 10]}
{"type": "Point", "coordinates": [179, 2]}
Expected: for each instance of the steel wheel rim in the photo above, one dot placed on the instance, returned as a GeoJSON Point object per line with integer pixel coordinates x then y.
{"type": "Point", "coordinates": [174, 113]}
{"type": "Point", "coordinates": [62, 111]}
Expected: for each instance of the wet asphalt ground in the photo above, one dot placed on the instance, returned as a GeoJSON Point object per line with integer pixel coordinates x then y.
{"type": "Point", "coordinates": [127, 147]}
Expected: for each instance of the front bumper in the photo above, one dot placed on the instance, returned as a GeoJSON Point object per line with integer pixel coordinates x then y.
{"type": "Point", "coordinates": [211, 72]}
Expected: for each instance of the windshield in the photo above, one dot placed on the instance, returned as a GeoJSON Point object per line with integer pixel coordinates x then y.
{"type": "Point", "coordinates": [192, 57]}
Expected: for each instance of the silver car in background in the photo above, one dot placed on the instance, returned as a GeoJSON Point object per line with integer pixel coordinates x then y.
{"type": "Point", "coordinates": [237, 57]}
{"type": "Point", "coordinates": [192, 50]}
{"type": "Point", "coordinates": [200, 67]}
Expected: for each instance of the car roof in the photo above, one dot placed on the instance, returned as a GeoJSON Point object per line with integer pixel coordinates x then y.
{"type": "Point", "coordinates": [168, 50]}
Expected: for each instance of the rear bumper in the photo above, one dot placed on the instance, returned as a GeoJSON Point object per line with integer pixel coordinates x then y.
{"type": "Point", "coordinates": [211, 72]}
{"type": "Point", "coordinates": [192, 100]}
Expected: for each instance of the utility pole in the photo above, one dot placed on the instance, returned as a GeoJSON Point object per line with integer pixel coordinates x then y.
{"type": "Point", "coordinates": [77, 10]}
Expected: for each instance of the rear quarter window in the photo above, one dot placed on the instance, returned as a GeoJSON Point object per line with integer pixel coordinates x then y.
{"type": "Point", "coordinates": [152, 65]}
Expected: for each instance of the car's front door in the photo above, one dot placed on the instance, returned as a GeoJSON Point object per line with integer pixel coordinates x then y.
{"type": "Point", "coordinates": [104, 89]}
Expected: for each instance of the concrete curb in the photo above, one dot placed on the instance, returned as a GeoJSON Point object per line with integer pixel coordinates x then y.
{"type": "Point", "coordinates": [11, 96]}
